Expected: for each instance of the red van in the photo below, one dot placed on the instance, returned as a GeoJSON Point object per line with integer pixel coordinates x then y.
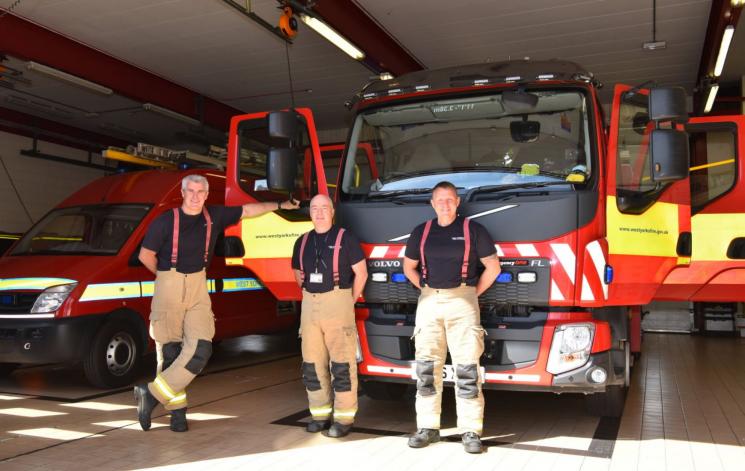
{"type": "Point", "coordinates": [73, 291]}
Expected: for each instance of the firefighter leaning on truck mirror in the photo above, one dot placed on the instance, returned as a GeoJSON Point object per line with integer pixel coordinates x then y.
{"type": "Point", "coordinates": [442, 257]}
{"type": "Point", "coordinates": [177, 248]}
{"type": "Point", "coordinates": [329, 266]}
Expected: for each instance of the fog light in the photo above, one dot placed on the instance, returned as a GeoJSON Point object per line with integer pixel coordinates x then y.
{"type": "Point", "coordinates": [598, 375]}
{"type": "Point", "coordinates": [380, 277]}
{"type": "Point", "coordinates": [526, 277]}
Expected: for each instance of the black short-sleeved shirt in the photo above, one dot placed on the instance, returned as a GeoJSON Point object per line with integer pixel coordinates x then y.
{"type": "Point", "coordinates": [191, 238]}
{"type": "Point", "coordinates": [443, 252]}
{"type": "Point", "coordinates": [318, 257]}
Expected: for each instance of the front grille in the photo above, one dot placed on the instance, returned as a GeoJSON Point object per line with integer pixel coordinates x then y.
{"type": "Point", "coordinates": [17, 302]}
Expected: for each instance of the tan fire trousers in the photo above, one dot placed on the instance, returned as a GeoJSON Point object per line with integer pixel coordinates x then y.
{"type": "Point", "coordinates": [329, 346]}
{"type": "Point", "coordinates": [449, 318]}
{"type": "Point", "coordinates": [182, 325]}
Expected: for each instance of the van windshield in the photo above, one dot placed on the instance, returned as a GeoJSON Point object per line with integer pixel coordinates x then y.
{"type": "Point", "coordinates": [83, 230]}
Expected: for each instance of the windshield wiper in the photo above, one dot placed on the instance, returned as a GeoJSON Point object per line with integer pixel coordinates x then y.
{"type": "Point", "coordinates": [499, 188]}
{"type": "Point", "coordinates": [394, 193]}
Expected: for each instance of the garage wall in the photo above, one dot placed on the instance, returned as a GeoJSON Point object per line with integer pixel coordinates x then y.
{"type": "Point", "coordinates": [41, 184]}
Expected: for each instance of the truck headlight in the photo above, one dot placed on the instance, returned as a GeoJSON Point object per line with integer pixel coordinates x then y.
{"type": "Point", "coordinates": [570, 348]}
{"type": "Point", "coordinates": [52, 298]}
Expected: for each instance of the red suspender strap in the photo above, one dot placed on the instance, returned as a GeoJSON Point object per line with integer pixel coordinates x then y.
{"type": "Point", "coordinates": [425, 234]}
{"type": "Point", "coordinates": [302, 251]}
{"type": "Point", "coordinates": [466, 252]}
{"type": "Point", "coordinates": [208, 219]}
{"type": "Point", "coordinates": [337, 249]}
{"type": "Point", "coordinates": [174, 244]}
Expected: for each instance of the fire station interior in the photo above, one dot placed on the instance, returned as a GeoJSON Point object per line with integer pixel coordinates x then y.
{"type": "Point", "coordinates": [90, 89]}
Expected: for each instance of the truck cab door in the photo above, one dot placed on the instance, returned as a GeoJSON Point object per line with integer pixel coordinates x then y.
{"type": "Point", "coordinates": [648, 196]}
{"type": "Point", "coordinates": [268, 240]}
{"type": "Point", "coordinates": [717, 270]}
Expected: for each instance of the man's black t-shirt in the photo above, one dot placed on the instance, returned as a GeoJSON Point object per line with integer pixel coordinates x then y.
{"type": "Point", "coordinates": [318, 257]}
{"type": "Point", "coordinates": [191, 238]}
{"type": "Point", "coordinates": [443, 252]}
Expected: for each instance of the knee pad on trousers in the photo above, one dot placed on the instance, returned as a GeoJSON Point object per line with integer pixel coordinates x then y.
{"type": "Point", "coordinates": [202, 354]}
{"type": "Point", "coordinates": [468, 381]}
{"type": "Point", "coordinates": [425, 373]}
{"type": "Point", "coordinates": [341, 382]}
{"type": "Point", "coordinates": [310, 378]}
{"type": "Point", "coordinates": [171, 351]}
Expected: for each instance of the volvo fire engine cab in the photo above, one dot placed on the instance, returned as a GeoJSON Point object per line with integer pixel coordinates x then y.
{"type": "Point", "coordinates": [587, 221]}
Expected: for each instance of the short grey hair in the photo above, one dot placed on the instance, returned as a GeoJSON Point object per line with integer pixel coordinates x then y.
{"type": "Point", "coordinates": [195, 179]}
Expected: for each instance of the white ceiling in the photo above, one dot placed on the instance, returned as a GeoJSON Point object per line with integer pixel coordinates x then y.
{"type": "Point", "coordinates": [210, 48]}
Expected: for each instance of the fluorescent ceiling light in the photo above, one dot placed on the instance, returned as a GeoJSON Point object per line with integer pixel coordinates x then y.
{"type": "Point", "coordinates": [710, 99]}
{"type": "Point", "coordinates": [71, 79]}
{"type": "Point", "coordinates": [170, 114]}
{"type": "Point", "coordinates": [729, 31]}
{"type": "Point", "coordinates": [337, 39]}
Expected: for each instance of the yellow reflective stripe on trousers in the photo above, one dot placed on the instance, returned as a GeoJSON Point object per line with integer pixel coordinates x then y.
{"type": "Point", "coordinates": [164, 388]}
{"type": "Point", "coordinates": [9, 284]}
{"type": "Point", "coordinates": [345, 413]}
{"type": "Point", "coordinates": [428, 421]}
{"type": "Point", "coordinates": [323, 411]}
{"type": "Point", "coordinates": [471, 426]}
{"type": "Point", "coordinates": [179, 399]}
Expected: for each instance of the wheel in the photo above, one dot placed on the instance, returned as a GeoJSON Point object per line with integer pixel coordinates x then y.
{"type": "Point", "coordinates": [7, 368]}
{"type": "Point", "coordinates": [114, 355]}
{"type": "Point", "coordinates": [607, 404]}
{"type": "Point", "coordinates": [384, 391]}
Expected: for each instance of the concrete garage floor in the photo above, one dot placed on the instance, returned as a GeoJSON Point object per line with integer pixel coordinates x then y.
{"type": "Point", "coordinates": [685, 410]}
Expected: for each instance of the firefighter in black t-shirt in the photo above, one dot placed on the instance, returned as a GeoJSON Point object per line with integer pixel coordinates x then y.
{"type": "Point", "coordinates": [442, 256]}
{"type": "Point", "coordinates": [177, 248]}
{"type": "Point", "coordinates": [330, 268]}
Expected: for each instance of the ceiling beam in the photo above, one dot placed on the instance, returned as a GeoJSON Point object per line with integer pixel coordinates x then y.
{"type": "Point", "coordinates": [29, 41]}
{"type": "Point", "coordinates": [382, 52]}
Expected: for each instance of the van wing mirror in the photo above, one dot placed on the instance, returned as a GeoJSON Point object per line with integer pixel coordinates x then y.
{"type": "Point", "coordinates": [525, 131]}
{"type": "Point", "coordinates": [282, 124]}
{"type": "Point", "coordinates": [281, 169]}
{"type": "Point", "coordinates": [668, 149]}
{"type": "Point", "coordinates": [232, 246]}
{"type": "Point", "coordinates": [668, 104]}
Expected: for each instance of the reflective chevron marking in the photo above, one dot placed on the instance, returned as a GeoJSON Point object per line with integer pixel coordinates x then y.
{"type": "Point", "coordinates": [35, 283]}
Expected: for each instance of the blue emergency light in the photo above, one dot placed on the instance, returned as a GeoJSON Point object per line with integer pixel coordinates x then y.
{"type": "Point", "coordinates": [504, 277]}
{"type": "Point", "coordinates": [608, 274]}
{"type": "Point", "coordinates": [398, 278]}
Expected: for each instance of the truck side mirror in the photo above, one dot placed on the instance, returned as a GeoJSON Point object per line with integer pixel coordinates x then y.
{"type": "Point", "coordinates": [232, 246]}
{"type": "Point", "coordinates": [668, 104]}
{"type": "Point", "coordinates": [281, 169]}
{"type": "Point", "coordinates": [282, 124]}
{"type": "Point", "coordinates": [668, 150]}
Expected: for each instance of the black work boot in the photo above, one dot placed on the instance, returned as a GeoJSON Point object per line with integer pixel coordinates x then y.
{"type": "Point", "coordinates": [338, 430]}
{"type": "Point", "coordinates": [423, 437]}
{"type": "Point", "coordinates": [472, 443]}
{"type": "Point", "coordinates": [178, 420]}
{"type": "Point", "coordinates": [146, 402]}
{"type": "Point", "coordinates": [315, 426]}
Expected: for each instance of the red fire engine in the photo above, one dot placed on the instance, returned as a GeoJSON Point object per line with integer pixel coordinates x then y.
{"type": "Point", "coordinates": [588, 222]}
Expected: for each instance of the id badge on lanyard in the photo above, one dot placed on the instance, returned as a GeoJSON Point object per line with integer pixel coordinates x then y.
{"type": "Point", "coordinates": [316, 278]}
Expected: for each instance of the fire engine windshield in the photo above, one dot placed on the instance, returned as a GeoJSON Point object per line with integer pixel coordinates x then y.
{"type": "Point", "coordinates": [512, 138]}
{"type": "Point", "coordinates": [82, 230]}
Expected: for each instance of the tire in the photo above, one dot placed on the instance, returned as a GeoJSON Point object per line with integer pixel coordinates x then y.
{"type": "Point", "coordinates": [114, 356]}
{"type": "Point", "coordinates": [7, 368]}
{"type": "Point", "coordinates": [607, 404]}
{"type": "Point", "coordinates": [384, 391]}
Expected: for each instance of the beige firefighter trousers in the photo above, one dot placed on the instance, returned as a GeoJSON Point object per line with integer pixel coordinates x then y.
{"type": "Point", "coordinates": [182, 325]}
{"type": "Point", "coordinates": [329, 347]}
{"type": "Point", "coordinates": [449, 318]}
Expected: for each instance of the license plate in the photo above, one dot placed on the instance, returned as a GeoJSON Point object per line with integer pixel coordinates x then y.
{"type": "Point", "coordinates": [448, 373]}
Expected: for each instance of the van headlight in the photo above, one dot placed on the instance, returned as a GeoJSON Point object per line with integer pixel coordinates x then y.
{"type": "Point", "coordinates": [571, 347]}
{"type": "Point", "coordinates": [52, 298]}
{"type": "Point", "coordinates": [358, 353]}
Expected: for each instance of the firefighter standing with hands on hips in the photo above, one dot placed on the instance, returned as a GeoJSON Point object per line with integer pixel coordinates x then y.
{"type": "Point", "coordinates": [329, 266]}
{"type": "Point", "coordinates": [177, 248]}
{"type": "Point", "coordinates": [447, 251]}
